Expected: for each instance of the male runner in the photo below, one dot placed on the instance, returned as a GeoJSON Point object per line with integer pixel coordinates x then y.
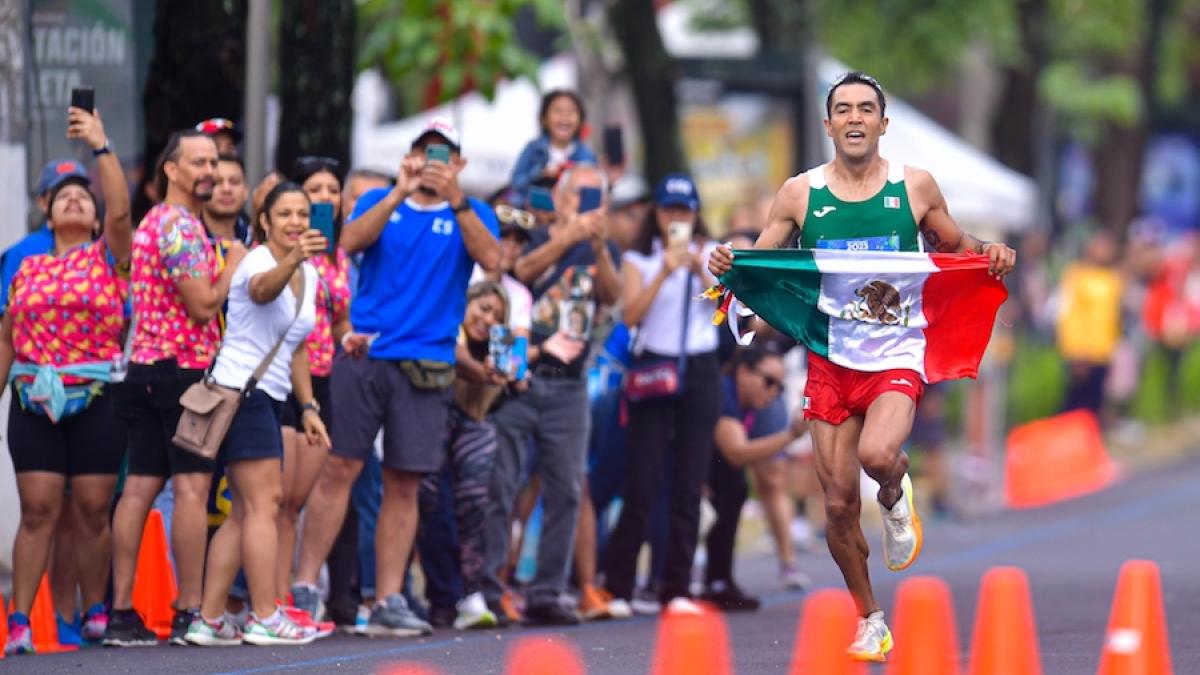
{"type": "Point", "coordinates": [860, 201]}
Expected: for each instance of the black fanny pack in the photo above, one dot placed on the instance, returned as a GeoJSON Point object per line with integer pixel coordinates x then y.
{"type": "Point", "coordinates": [428, 375]}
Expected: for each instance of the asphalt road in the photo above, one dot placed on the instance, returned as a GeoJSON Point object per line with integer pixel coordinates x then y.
{"type": "Point", "coordinates": [1072, 553]}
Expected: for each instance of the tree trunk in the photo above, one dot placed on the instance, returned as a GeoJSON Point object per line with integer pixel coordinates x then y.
{"type": "Point", "coordinates": [652, 73]}
{"type": "Point", "coordinates": [316, 56]}
{"type": "Point", "coordinates": [1013, 126]}
{"type": "Point", "coordinates": [197, 72]}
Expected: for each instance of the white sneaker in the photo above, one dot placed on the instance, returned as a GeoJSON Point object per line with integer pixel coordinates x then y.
{"type": "Point", "coordinates": [793, 579]}
{"type": "Point", "coordinates": [683, 605]}
{"type": "Point", "coordinates": [473, 612]}
{"type": "Point", "coordinates": [275, 631]}
{"type": "Point", "coordinates": [620, 609]}
{"type": "Point", "coordinates": [902, 534]}
{"type": "Point", "coordinates": [645, 603]}
{"type": "Point", "coordinates": [872, 640]}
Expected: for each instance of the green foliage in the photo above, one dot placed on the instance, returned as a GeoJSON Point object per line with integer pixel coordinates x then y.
{"type": "Point", "coordinates": [1037, 380]}
{"type": "Point", "coordinates": [467, 43]}
{"type": "Point", "coordinates": [1086, 100]}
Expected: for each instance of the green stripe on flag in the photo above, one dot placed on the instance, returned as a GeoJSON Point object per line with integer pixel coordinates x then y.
{"type": "Point", "coordinates": [783, 287]}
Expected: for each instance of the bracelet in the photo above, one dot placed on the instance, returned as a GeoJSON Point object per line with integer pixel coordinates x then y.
{"type": "Point", "coordinates": [106, 149]}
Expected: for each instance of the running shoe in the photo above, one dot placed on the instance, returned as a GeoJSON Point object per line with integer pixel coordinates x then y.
{"type": "Point", "coordinates": [682, 605]}
{"type": "Point", "coordinates": [361, 618]}
{"type": "Point", "coordinates": [95, 621]}
{"type": "Point", "coordinates": [793, 579]}
{"type": "Point", "coordinates": [872, 641]}
{"type": "Point", "coordinates": [902, 535]}
{"type": "Point", "coordinates": [275, 630]}
{"type": "Point", "coordinates": [473, 612]}
{"type": "Point", "coordinates": [320, 629]}
{"type": "Point", "coordinates": [220, 633]}
{"type": "Point", "coordinates": [20, 635]}
{"type": "Point", "coordinates": [645, 602]}
{"type": "Point", "coordinates": [68, 631]}
{"type": "Point", "coordinates": [125, 629]}
{"type": "Point", "coordinates": [393, 618]}
{"type": "Point", "coordinates": [180, 625]}
{"type": "Point", "coordinates": [511, 604]}
{"type": "Point", "coordinates": [595, 604]}
{"type": "Point", "coordinates": [308, 598]}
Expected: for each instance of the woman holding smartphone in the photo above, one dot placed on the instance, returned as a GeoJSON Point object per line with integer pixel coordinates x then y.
{"type": "Point", "coordinates": [59, 340]}
{"type": "Point", "coordinates": [320, 178]}
{"type": "Point", "coordinates": [264, 315]}
{"type": "Point", "coordinates": [663, 278]}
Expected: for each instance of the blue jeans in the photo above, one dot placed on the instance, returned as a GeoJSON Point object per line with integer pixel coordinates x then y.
{"type": "Point", "coordinates": [365, 496]}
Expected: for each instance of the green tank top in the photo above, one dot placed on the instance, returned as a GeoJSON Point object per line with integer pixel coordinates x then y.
{"type": "Point", "coordinates": [882, 223]}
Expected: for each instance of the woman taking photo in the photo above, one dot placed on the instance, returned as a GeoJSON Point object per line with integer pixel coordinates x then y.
{"type": "Point", "coordinates": [59, 341]}
{"type": "Point", "coordinates": [264, 315]}
{"type": "Point", "coordinates": [663, 279]}
{"type": "Point", "coordinates": [561, 120]}
{"type": "Point", "coordinates": [321, 181]}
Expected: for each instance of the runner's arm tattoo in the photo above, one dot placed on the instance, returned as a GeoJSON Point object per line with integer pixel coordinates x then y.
{"type": "Point", "coordinates": [962, 243]}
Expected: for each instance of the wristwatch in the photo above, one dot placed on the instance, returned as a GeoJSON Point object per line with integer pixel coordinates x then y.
{"type": "Point", "coordinates": [462, 206]}
{"type": "Point", "coordinates": [311, 405]}
{"type": "Point", "coordinates": [107, 148]}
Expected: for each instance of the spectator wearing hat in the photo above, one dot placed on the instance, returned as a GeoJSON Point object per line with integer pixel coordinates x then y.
{"type": "Point", "coordinates": [561, 118]}
{"type": "Point", "coordinates": [420, 240]}
{"type": "Point", "coordinates": [224, 132]}
{"type": "Point", "coordinates": [55, 173]}
{"type": "Point", "coordinates": [664, 276]}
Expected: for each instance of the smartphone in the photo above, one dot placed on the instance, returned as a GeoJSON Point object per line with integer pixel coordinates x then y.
{"type": "Point", "coordinates": [541, 199]}
{"type": "Point", "coordinates": [614, 146]}
{"type": "Point", "coordinates": [520, 357]}
{"type": "Point", "coordinates": [84, 98]}
{"type": "Point", "coordinates": [500, 343]}
{"type": "Point", "coordinates": [437, 153]}
{"type": "Point", "coordinates": [320, 217]}
{"type": "Point", "coordinates": [679, 233]}
{"type": "Point", "coordinates": [589, 199]}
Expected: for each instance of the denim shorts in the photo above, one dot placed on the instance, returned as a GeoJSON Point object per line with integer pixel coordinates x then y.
{"type": "Point", "coordinates": [254, 432]}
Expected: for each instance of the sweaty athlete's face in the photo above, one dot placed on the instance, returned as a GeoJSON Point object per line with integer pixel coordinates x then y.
{"type": "Point", "coordinates": [855, 121]}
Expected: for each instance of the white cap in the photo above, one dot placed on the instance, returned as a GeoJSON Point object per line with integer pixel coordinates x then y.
{"type": "Point", "coordinates": [443, 128]}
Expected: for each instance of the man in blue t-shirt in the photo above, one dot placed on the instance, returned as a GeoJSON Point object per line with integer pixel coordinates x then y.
{"type": "Point", "coordinates": [419, 241]}
{"type": "Point", "coordinates": [753, 425]}
{"type": "Point", "coordinates": [41, 240]}
{"type": "Point", "coordinates": [571, 269]}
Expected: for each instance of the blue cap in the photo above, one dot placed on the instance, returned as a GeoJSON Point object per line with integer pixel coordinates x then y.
{"type": "Point", "coordinates": [58, 170]}
{"type": "Point", "coordinates": [677, 189]}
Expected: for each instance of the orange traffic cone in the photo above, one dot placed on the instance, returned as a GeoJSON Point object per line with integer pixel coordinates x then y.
{"type": "Point", "coordinates": [692, 643]}
{"type": "Point", "coordinates": [154, 588]}
{"type": "Point", "coordinates": [409, 669]}
{"type": "Point", "coordinates": [543, 656]}
{"type": "Point", "coordinates": [926, 642]}
{"type": "Point", "coordinates": [44, 623]}
{"type": "Point", "coordinates": [1005, 641]}
{"type": "Point", "coordinates": [1055, 459]}
{"type": "Point", "coordinates": [3, 625]}
{"type": "Point", "coordinates": [826, 630]}
{"type": "Point", "coordinates": [1136, 641]}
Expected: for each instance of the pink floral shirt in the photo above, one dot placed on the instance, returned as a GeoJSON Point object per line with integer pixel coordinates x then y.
{"type": "Point", "coordinates": [333, 301]}
{"type": "Point", "coordinates": [171, 246]}
{"type": "Point", "coordinates": [68, 310]}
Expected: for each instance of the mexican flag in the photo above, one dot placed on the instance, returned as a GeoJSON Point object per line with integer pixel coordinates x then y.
{"type": "Point", "coordinates": [872, 311]}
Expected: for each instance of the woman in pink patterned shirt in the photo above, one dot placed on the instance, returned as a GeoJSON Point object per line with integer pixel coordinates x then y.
{"type": "Point", "coordinates": [321, 179]}
{"type": "Point", "coordinates": [59, 342]}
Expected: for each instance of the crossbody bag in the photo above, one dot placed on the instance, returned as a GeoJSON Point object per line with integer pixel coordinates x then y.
{"type": "Point", "coordinates": [664, 378]}
{"type": "Point", "coordinates": [209, 408]}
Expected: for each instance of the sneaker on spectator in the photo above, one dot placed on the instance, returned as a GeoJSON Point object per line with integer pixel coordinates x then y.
{"type": "Point", "coordinates": [125, 629]}
{"type": "Point", "coordinates": [619, 609]}
{"type": "Point", "coordinates": [308, 598]}
{"type": "Point", "coordinates": [320, 629]}
{"type": "Point", "coordinates": [645, 602]}
{"type": "Point", "coordinates": [511, 604]}
{"type": "Point", "coordinates": [276, 630]}
{"type": "Point", "coordinates": [793, 579]}
{"type": "Point", "coordinates": [727, 597]}
{"type": "Point", "coordinates": [20, 636]}
{"type": "Point", "coordinates": [473, 612]}
{"type": "Point", "coordinates": [682, 605]}
{"type": "Point", "coordinates": [180, 625]}
{"type": "Point", "coordinates": [497, 610]}
{"type": "Point", "coordinates": [595, 604]}
{"type": "Point", "coordinates": [442, 617]}
{"type": "Point", "coordinates": [220, 633]}
{"type": "Point", "coordinates": [361, 618]}
{"type": "Point", "coordinates": [68, 631]}
{"type": "Point", "coordinates": [393, 618]}
{"type": "Point", "coordinates": [95, 621]}
{"type": "Point", "coordinates": [550, 614]}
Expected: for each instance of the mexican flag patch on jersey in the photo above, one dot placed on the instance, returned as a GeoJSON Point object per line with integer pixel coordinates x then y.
{"type": "Point", "coordinates": [891, 202]}
{"type": "Point", "coordinates": [873, 311]}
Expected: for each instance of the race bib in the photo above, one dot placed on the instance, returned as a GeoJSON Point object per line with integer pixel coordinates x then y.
{"type": "Point", "coordinates": [891, 243]}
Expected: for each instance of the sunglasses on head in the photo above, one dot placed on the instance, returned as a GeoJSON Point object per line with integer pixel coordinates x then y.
{"type": "Point", "coordinates": [511, 215]}
{"type": "Point", "coordinates": [310, 164]}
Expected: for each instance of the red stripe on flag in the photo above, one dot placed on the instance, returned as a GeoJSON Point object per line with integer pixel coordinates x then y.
{"type": "Point", "coordinates": [960, 304]}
